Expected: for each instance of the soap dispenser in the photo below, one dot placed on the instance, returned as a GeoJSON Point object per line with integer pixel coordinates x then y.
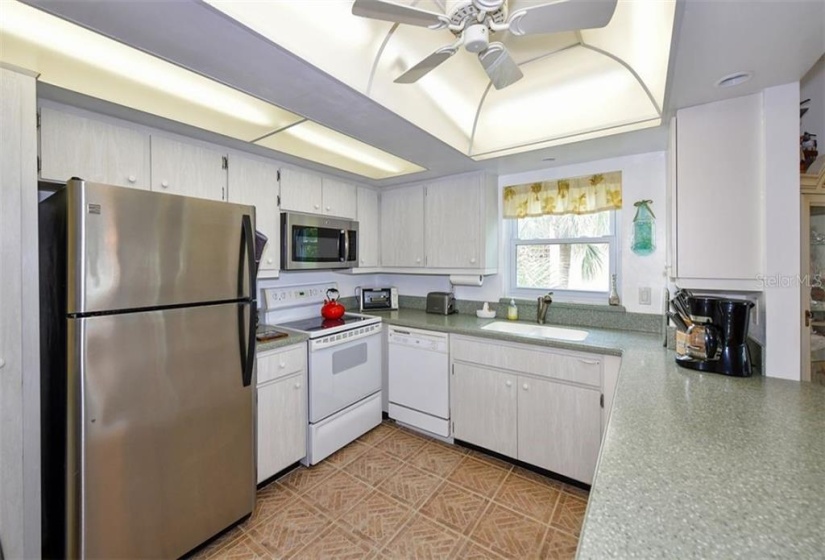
{"type": "Point", "coordinates": [512, 310]}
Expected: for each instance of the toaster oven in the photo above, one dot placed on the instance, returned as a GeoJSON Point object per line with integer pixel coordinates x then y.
{"type": "Point", "coordinates": [375, 299]}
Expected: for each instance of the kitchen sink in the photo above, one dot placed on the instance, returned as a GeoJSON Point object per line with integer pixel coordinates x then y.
{"type": "Point", "coordinates": [539, 331]}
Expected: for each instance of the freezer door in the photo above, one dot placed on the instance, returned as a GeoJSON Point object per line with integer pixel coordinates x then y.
{"type": "Point", "coordinates": [161, 443]}
{"type": "Point", "coordinates": [133, 249]}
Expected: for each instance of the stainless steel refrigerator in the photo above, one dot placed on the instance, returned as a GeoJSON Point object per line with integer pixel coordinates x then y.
{"type": "Point", "coordinates": [148, 342]}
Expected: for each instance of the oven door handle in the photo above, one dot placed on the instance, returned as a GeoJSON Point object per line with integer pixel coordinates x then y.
{"type": "Point", "coordinates": [330, 341]}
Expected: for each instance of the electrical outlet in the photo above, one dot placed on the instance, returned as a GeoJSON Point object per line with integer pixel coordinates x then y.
{"type": "Point", "coordinates": [644, 296]}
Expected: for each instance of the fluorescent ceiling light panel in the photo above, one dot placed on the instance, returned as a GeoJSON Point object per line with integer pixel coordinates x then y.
{"type": "Point", "coordinates": [69, 56]}
{"type": "Point", "coordinates": [76, 59]}
{"type": "Point", "coordinates": [310, 140]}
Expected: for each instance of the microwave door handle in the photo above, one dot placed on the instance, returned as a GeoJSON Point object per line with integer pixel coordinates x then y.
{"type": "Point", "coordinates": [344, 246]}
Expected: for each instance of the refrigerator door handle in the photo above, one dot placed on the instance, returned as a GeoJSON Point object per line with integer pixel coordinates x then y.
{"type": "Point", "coordinates": [247, 340]}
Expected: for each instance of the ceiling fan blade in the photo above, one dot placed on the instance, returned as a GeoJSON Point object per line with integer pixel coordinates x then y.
{"type": "Point", "coordinates": [499, 65]}
{"type": "Point", "coordinates": [562, 15]}
{"type": "Point", "coordinates": [390, 11]}
{"type": "Point", "coordinates": [426, 66]}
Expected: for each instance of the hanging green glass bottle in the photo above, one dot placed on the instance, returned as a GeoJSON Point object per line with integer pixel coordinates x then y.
{"type": "Point", "coordinates": [644, 229]}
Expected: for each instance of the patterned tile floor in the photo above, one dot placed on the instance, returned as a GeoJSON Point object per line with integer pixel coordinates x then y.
{"type": "Point", "coordinates": [396, 494]}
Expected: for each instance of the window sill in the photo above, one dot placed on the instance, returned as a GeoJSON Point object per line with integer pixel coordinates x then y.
{"type": "Point", "coordinates": [565, 303]}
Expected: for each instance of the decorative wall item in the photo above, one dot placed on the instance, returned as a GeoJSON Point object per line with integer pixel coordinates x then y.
{"type": "Point", "coordinates": [643, 242]}
{"type": "Point", "coordinates": [577, 195]}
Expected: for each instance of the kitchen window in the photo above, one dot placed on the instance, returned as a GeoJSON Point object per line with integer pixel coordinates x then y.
{"type": "Point", "coordinates": [563, 236]}
{"type": "Point", "coordinates": [571, 255]}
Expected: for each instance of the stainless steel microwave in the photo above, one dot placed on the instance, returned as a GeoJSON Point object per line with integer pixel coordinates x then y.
{"type": "Point", "coordinates": [311, 242]}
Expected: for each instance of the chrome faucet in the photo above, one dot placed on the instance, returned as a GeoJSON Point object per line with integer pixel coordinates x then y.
{"type": "Point", "coordinates": [544, 305]}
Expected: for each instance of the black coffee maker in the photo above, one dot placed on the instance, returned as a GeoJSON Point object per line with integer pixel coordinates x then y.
{"type": "Point", "coordinates": [725, 325]}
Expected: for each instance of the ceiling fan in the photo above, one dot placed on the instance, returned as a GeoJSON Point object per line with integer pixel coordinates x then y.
{"type": "Point", "coordinates": [474, 21]}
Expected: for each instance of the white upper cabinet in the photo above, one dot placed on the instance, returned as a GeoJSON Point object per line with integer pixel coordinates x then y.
{"type": "Point", "coordinates": [368, 220]}
{"type": "Point", "coordinates": [402, 227]}
{"type": "Point", "coordinates": [74, 145]}
{"type": "Point", "coordinates": [450, 225]}
{"type": "Point", "coordinates": [339, 198]}
{"type": "Point", "coordinates": [718, 191]}
{"type": "Point", "coordinates": [461, 225]}
{"type": "Point", "coordinates": [301, 191]}
{"type": "Point", "coordinates": [188, 169]}
{"type": "Point", "coordinates": [254, 181]}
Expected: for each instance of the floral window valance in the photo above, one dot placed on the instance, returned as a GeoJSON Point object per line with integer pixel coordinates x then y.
{"type": "Point", "coordinates": [576, 195]}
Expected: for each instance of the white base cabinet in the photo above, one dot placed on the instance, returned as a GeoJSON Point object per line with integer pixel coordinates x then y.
{"type": "Point", "coordinates": [485, 408]}
{"type": "Point", "coordinates": [537, 405]}
{"type": "Point", "coordinates": [559, 427]}
{"type": "Point", "coordinates": [281, 409]}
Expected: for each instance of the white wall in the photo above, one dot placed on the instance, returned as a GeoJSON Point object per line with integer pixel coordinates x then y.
{"type": "Point", "coordinates": [346, 284]}
{"type": "Point", "coordinates": [783, 329]}
{"type": "Point", "coordinates": [643, 177]}
{"type": "Point", "coordinates": [812, 87]}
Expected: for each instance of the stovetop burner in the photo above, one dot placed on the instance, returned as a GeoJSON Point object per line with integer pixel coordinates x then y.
{"type": "Point", "coordinates": [315, 324]}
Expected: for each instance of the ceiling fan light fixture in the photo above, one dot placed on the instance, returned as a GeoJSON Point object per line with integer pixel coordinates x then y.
{"type": "Point", "coordinates": [476, 38]}
{"type": "Point", "coordinates": [734, 79]}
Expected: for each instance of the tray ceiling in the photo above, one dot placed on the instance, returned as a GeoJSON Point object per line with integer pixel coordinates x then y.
{"type": "Point", "coordinates": [577, 85]}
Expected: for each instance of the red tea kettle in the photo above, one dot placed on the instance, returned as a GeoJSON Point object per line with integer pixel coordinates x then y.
{"type": "Point", "coordinates": [331, 308]}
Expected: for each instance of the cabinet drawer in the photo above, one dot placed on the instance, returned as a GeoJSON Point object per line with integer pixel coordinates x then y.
{"type": "Point", "coordinates": [584, 369]}
{"type": "Point", "coordinates": [273, 365]}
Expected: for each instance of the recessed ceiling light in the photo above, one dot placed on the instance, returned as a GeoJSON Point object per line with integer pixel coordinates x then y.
{"type": "Point", "coordinates": [734, 79]}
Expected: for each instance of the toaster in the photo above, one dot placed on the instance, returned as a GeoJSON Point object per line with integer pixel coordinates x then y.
{"type": "Point", "coordinates": [442, 303]}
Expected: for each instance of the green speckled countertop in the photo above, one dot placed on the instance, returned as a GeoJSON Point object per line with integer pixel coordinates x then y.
{"type": "Point", "coordinates": [295, 337]}
{"type": "Point", "coordinates": [693, 465]}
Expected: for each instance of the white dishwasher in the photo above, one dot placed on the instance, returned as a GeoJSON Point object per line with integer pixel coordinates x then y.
{"type": "Point", "coordinates": [419, 379]}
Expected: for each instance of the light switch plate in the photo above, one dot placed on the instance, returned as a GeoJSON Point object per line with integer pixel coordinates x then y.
{"type": "Point", "coordinates": [644, 296]}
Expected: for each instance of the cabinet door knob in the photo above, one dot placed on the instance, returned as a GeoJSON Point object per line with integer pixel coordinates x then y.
{"type": "Point", "coordinates": [362, 261]}
{"type": "Point", "coordinates": [2, 363]}
{"type": "Point", "coordinates": [282, 365]}
{"type": "Point", "coordinates": [472, 260]}
{"type": "Point", "coordinates": [418, 260]}
{"type": "Point", "coordinates": [328, 209]}
{"type": "Point", "coordinates": [526, 387]}
{"type": "Point", "coordinates": [132, 178]}
{"type": "Point", "coordinates": [508, 383]}
{"type": "Point", "coordinates": [164, 184]}
{"type": "Point", "coordinates": [317, 206]}
{"type": "Point", "coordinates": [298, 385]}
{"type": "Point", "coordinates": [268, 261]}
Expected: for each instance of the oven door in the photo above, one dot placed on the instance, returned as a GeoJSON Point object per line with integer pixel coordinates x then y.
{"type": "Point", "coordinates": [343, 371]}
{"type": "Point", "coordinates": [317, 242]}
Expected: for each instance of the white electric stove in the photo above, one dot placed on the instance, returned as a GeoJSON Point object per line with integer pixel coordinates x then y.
{"type": "Point", "coordinates": [344, 366]}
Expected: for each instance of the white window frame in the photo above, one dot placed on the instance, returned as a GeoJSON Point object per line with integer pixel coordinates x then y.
{"type": "Point", "coordinates": [572, 296]}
